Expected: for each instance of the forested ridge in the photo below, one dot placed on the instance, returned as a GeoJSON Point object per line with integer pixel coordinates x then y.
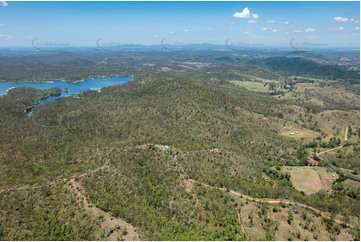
{"type": "Point", "coordinates": [301, 66]}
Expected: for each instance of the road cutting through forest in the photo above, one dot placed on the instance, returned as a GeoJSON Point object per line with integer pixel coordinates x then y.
{"type": "Point", "coordinates": [188, 183]}
{"type": "Point", "coordinates": [339, 147]}
{"type": "Point", "coordinates": [119, 228]}
{"type": "Point", "coordinates": [115, 228]}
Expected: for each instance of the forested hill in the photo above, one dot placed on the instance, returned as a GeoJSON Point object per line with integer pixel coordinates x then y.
{"type": "Point", "coordinates": [218, 135]}
{"type": "Point", "coordinates": [304, 67]}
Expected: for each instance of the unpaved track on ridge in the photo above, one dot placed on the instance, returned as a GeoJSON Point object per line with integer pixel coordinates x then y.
{"type": "Point", "coordinates": [51, 183]}
{"type": "Point", "coordinates": [188, 183]}
{"type": "Point", "coordinates": [339, 147]}
{"type": "Point", "coordinates": [111, 222]}
{"type": "Point", "coordinates": [269, 200]}
{"type": "Point", "coordinates": [118, 228]}
{"type": "Point", "coordinates": [346, 132]}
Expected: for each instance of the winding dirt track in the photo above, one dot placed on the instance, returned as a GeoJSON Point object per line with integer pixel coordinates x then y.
{"type": "Point", "coordinates": [270, 201]}
{"type": "Point", "coordinates": [116, 226]}
{"type": "Point", "coordinates": [339, 147]}
{"type": "Point", "coordinates": [346, 132]}
{"type": "Point", "coordinates": [188, 182]}
{"type": "Point", "coordinates": [51, 183]}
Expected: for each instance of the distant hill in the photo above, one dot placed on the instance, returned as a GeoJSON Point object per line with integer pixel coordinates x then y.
{"type": "Point", "coordinates": [307, 55]}
{"type": "Point", "coordinates": [304, 67]}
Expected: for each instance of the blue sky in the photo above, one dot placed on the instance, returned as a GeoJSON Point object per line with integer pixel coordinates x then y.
{"type": "Point", "coordinates": [324, 24]}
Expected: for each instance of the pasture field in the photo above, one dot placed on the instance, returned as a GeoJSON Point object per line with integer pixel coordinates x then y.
{"type": "Point", "coordinates": [252, 86]}
{"type": "Point", "coordinates": [311, 179]}
{"type": "Point", "coordinates": [298, 133]}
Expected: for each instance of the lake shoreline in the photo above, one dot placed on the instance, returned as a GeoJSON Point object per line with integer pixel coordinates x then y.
{"type": "Point", "coordinates": [76, 81]}
{"type": "Point", "coordinates": [28, 109]}
{"type": "Point", "coordinates": [8, 85]}
{"type": "Point", "coordinates": [65, 89]}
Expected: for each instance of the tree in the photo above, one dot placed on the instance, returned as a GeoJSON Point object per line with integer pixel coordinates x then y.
{"type": "Point", "coordinates": [250, 217]}
{"type": "Point", "coordinates": [290, 216]}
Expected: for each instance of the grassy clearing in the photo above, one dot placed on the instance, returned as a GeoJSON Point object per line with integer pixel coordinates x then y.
{"type": "Point", "coordinates": [311, 179]}
{"type": "Point", "coordinates": [324, 94]}
{"type": "Point", "coordinates": [252, 86]}
{"type": "Point", "coordinates": [298, 133]}
{"type": "Point", "coordinates": [333, 122]}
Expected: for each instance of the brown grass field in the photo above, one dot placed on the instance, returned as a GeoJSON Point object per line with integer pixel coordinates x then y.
{"type": "Point", "coordinates": [310, 179]}
{"type": "Point", "coordinates": [306, 134]}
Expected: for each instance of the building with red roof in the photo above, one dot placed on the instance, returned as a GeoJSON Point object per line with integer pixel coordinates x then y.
{"type": "Point", "coordinates": [312, 161]}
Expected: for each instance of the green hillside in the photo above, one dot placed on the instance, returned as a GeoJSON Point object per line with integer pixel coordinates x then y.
{"type": "Point", "coordinates": [304, 67]}
{"type": "Point", "coordinates": [160, 136]}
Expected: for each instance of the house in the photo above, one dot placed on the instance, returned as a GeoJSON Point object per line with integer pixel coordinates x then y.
{"type": "Point", "coordinates": [312, 161]}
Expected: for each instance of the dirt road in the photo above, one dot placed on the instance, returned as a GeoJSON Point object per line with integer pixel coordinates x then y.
{"type": "Point", "coordinates": [190, 181]}
{"type": "Point", "coordinates": [116, 227]}
{"type": "Point", "coordinates": [346, 132]}
{"type": "Point", "coordinates": [339, 147]}
{"type": "Point", "coordinates": [268, 200]}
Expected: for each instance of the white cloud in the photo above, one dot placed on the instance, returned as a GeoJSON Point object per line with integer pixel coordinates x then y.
{"type": "Point", "coordinates": [246, 32]}
{"type": "Point", "coordinates": [270, 21]}
{"type": "Point", "coordinates": [357, 28]}
{"type": "Point", "coordinates": [356, 21]}
{"type": "Point", "coordinates": [186, 30]}
{"type": "Point", "coordinates": [252, 21]}
{"type": "Point", "coordinates": [351, 19]}
{"type": "Point", "coordinates": [264, 29]}
{"type": "Point", "coordinates": [340, 19]}
{"type": "Point", "coordinates": [209, 28]}
{"type": "Point", "coordinates": [286, 22]}
{"type": "Point", "coordinates": [310, 30]}
{"type": "Point", "coordinates": [5, 36]}
{"type": "Point", "coordinates": [4, 4]}
{"type": "Point", "coordinates": [337, 29]}
{"type": "Point", "coordinates": [274, 30]}
{"type": "Point", "coordinates": [245, 14]}
{"type": "Point", "coordinates": [306, 30]}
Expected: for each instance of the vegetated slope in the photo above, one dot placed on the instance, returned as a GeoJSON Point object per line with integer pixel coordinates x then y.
{"type": "Point", "coordinates": [307, 55]}
{"type": "Point", "coordinates": [209, 138]}
{"type": "Point", "coordinates": [304, 67]}
{"type": "Point", "coordinates": [151, 189]}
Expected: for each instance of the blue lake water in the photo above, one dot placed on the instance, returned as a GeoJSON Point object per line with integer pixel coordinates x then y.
{"type": "Point", "coordinates": [71, 87]}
